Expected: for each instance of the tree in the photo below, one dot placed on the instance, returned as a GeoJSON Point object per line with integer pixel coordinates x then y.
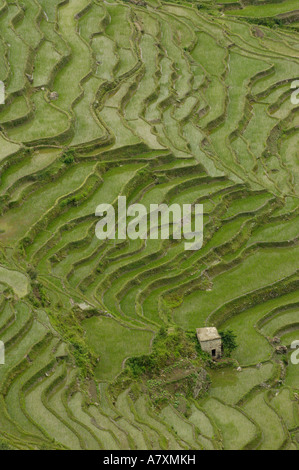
{"type": "Point", "coordinates": [229, 342]}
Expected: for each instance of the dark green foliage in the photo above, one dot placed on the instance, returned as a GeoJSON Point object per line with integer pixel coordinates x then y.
{"type": "Point", "coordinates": [169, 346]}
{"type": "Point", "coordinates": [68, 157]}
{"type": "Point", "coordinates": [269, 22]}
{"type": "Point", "coordinates": [285, 361]}
{"type": "Point", "coordinates": [229, 341]}
{"type": "Point", "coordinates": [205, 356]}
{"type": "Point", "coordinates": [38, 296]}
{"type": "Point", "coordinates": [141, 365]}
{"type": "Point", "coordinates": [81, 355]}
{"type": "Point", "coordinates": [32, 273]}
{"type": "Point", "coordinates": [203, 6]}
{"type": "Point", "coordinates": [41, 294]}
{"type": "Point", "coordinates": [75, 200]}
{"type": "Point", "coordinates": [171, 373]}
{"type": "Point", "coordinates": [72, 333]}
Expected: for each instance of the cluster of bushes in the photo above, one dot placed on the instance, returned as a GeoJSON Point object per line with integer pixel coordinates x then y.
{"type": "Point", "coordinates": [77, 198]}
{"type": "Point", "coordinates": [269, 22]}
{"type": "Point", "coordinates": [169, 346]}
{"type": "Point", "coordinates": [229, 342]}
{"type": "Point", "coordinates": [68, 157]}
{"type": "Point", "coordinates": [172, 345]}
{"type": "Point", "coordinates": [38, 296]}
{"type": "Point", "coordinates": [72, 333]}
{"type": "Point", "coordinates": [82, 356]}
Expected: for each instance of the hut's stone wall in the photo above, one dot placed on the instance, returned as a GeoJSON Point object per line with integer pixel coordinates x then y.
{"type": "Point", "coordinates": [209, 346]}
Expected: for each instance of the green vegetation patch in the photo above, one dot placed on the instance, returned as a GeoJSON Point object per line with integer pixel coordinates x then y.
{"type": "Point", "coordinates": [266, 10]}
{"type": "Point", "coordinates": [16, 280]}
{"type": "Point", "coordinates": [114, 343]}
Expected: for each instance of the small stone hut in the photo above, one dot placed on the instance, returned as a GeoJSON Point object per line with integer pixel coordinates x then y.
{"type": "Point", "coordinates": [210, 341]}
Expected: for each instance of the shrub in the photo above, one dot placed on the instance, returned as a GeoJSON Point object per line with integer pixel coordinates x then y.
{"type": "Point", "coordinates": [168, 347]}
{"type": "Point", "coordinates": [68, 157]}
{"type": "Point", "coordinates": [229, 341]}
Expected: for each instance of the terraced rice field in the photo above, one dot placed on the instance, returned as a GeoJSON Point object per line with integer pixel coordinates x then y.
{"type": "Point", "coordinates": [166, 103]}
